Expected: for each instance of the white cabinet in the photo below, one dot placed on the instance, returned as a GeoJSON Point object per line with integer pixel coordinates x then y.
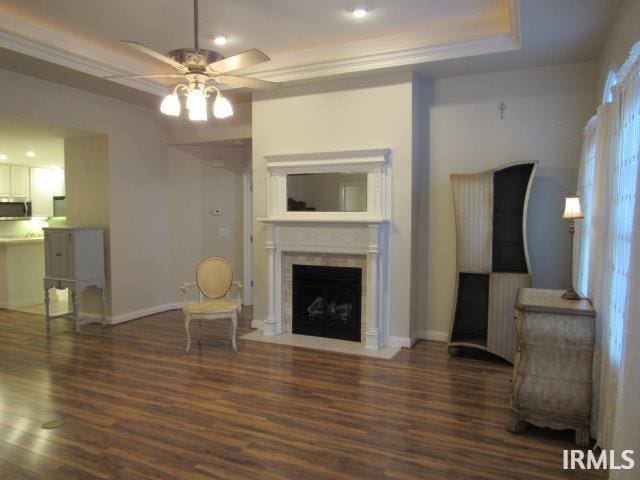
{"type": "Point", "coordinates": [57, 176]}
{"type": "Point", "coordinates": [5, 181]}
{"type": "Point", "coordinates": [74, 259]}
{"type": "Point", "coordinates": [19, 180]}
{"type": "Point", "coordinates": [42, 191]}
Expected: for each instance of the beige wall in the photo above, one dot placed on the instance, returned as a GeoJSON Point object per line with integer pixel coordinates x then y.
{"type": "Point", "coordinates": [355, 114]}
{"type": "Point", "coordinates": [195, 189]}
{"type": "Point", "coordinates": [138, 179]}
{"type": "Point", "coordinates": [86, 162]}
{"type": "Point", "coordinates": [623, 35]}
{"type": "Point", "coordinates": [547, 108]}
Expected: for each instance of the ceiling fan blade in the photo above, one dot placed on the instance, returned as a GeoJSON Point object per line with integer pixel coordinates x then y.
{"type": "Point", "coordinates": [158, 56]}
{"type": "Point", "coordinates": [236, 62]}
{"type": "Point", "coordinates": [253, 83]}
{"type": "Point", "coordinates": [166, 75]}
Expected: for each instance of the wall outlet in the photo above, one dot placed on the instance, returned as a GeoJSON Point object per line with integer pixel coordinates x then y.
{"type": "Point", "coordinates": [216, 212]}
{"type": "Point", "coordinates": [224, 231]}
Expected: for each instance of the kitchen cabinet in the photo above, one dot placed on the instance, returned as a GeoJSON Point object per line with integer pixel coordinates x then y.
{"type": "Point", "coordinates": [19, 181]}
{"type": "Point", "coordinates": [57, 176]}
{"type": "Point", "coordinates": [5, 181]}
{"type": "Point", "coordinates": [42, 191]}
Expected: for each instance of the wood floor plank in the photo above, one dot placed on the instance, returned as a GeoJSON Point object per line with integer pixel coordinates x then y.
{"type": "Point", "coordinates": [137, 408]}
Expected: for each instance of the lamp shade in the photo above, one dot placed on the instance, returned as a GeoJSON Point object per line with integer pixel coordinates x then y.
{"type": "Point", "coordinates": [572, 208]}
{"type": "Point", "coordinates": [170, 105]}
{"type": "Point", "coordinates": [222, 107]}
{"type": "Point", "coordinates": [196, 100]}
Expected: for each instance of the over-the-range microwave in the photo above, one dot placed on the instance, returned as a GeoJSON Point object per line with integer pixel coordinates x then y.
{"type": "Point", "coordinates": [15, 208]}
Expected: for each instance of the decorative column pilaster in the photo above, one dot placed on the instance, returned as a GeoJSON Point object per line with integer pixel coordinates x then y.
{"type": "Point", "coordinates": [270, 327]}
{"type": "Point", "coordinates": [373, 339]}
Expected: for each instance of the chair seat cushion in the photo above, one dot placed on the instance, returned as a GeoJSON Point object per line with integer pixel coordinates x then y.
{"type": "Point", "coordinates": [211, 306]}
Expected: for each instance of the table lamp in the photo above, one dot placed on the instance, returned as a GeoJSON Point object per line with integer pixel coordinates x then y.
{"type": "Point", "coordinates": [572, 212]}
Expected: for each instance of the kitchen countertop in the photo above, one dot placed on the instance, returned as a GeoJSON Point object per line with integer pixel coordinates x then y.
{"type": "Point", "coordinates": [11, 241]}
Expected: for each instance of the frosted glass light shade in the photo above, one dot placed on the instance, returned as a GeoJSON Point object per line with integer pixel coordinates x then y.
{"type": "Point", "coordinates": [222, 107]}
{"type": "Point", "coordinates": [170, 105]}
{"type": "Point", "coordinates": [572, 208]}
{"type": "Point", "coordinates": [196, 100]}
{"type": "Point", "coordinates": [198, 114]}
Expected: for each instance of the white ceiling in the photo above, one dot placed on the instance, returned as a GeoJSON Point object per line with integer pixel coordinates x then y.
{"type": "Point", "coordinates": [47, 141]}
{"type": "Point", "coordinates": [309, 39]}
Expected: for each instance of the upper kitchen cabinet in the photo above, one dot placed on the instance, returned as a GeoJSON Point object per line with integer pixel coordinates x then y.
{"type": "Point", "coordinates": [57, 175]}
{"type": "Point", "coordinates": [19, 181]}
{"type": "Point", "coordinates": [5, 181]}
{"type": "Point", "coordinates": [42, 191]}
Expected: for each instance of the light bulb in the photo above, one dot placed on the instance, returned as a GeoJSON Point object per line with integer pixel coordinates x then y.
{"type": "Point", "coordinates": [360, 11]}
{"type": "Point", "coordinates": [198, 114]}
{"type": "Point", "coordinates": [222, 107]}
{"type": "Point", "coordinates": [220, 40]}
{"type": "Point", "coordinates": [170, 105]}
{"type": "Point", "coordinates": [196, 100]}
{"type": "Point", "coordinates": [31, 154]}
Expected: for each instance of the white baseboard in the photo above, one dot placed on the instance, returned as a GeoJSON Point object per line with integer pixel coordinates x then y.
{"type": "Point", "coordinates": [144, 312]}
{"type": "Point", "coordinates": [259, 324]}
{"type": "Point", "coordinates": [399, 342]}
{"type": "Point", "coordinates": [435, 335]}
{"type": "Point", "coordinates": [18, 305]}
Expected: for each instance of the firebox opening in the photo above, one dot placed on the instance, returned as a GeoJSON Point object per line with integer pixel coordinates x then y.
{"type": "Point", "coordinates": [326, 301]}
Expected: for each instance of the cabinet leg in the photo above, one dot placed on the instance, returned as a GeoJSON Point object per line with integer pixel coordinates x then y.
{"type": "Point", "coordinates": [104, 308]}
{"type": "Point", "coordinates": [75, 300]}
{"type": "Point", "coordinates": [516, 425]}
{"type": "Point", "coordinates": [582, 437]}
{"type": "Point", "coordinates": [46, 309]}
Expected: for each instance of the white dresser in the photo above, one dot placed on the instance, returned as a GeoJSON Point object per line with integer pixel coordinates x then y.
{"type": "Point", "coordinates": [74, 259]}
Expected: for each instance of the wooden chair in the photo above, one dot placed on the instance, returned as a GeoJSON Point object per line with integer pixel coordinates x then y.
{"type": "Point", "coordinates": [214, 279]}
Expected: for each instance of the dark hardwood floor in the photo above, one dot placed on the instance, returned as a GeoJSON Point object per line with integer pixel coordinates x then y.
{"type": "Point", "coordinates": [136, 407]}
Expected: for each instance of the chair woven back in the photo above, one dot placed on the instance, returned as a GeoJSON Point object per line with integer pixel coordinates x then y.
{"type": "Point", "coordinates": [214, 276]}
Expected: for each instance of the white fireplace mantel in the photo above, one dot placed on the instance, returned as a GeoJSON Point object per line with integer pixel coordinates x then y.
{"type": "Point", "coordinates": [362, 234]}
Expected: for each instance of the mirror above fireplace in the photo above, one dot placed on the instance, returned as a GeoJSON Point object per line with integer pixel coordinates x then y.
{"type": "Point", "coordinates": [351, 186]}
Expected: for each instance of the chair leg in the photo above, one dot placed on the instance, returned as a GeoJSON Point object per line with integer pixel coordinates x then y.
{"type": "Point", "coordinates": [187, 320]}
{"type": "Point", "coordinates": [234, 327]}
{"type": "Point", "coordinates": [199, 331]}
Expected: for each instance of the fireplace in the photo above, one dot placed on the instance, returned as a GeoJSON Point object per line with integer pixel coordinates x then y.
{"type": "Point", "coordinates": [326, 301]}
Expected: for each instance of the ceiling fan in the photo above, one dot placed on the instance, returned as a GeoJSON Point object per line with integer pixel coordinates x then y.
{"type": "Point", "coordinates": [202, 69]}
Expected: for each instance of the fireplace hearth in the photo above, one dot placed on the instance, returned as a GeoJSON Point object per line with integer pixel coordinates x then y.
{"type": "Point", "coordinates": [326, 301]}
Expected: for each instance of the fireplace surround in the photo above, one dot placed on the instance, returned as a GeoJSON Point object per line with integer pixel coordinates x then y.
{"type": "Point", "coordinates": [330, 238]}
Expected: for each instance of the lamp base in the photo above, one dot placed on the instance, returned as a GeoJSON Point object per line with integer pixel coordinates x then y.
{"type": "Point", "coordinates": [571, 294]}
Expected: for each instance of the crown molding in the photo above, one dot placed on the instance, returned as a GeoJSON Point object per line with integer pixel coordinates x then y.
{"type": "Point", "coordinates": [398, 58]}
{"type": "Point", "coordinates": [28, 46]}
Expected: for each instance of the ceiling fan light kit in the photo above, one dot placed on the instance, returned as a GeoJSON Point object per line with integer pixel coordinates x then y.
{"type": "Point", "coordinates": [201, 68]}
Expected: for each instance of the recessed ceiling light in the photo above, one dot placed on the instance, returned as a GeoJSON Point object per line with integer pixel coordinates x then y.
{"type": "Point", "coordinates": [220, 40]}
{"type": "Point", "coordinates": [31, 154]}
{"type": "Point", "coordinates": [3, 156]}
{"type": "Point", "coordinates": [360, 11]}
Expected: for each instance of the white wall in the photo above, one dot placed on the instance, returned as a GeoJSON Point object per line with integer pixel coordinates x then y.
{"type": "Point", "coordinates": [547, 108]}
{"type": "Point", "coordinates": [353, 114]}
{"type": "Point", "coordinates": [195, 189]}
{"type": "Point", "coordinates": [138, 180]}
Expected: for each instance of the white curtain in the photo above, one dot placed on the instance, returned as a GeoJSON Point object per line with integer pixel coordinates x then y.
{"type": "Point", "coordinates": [607, 245]}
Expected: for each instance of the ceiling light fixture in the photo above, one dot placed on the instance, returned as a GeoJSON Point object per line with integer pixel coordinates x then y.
{"type": "Point", "coordinates": [197, 93]}
{"type": "Point", "coordinates": [3, 157]}
{"type": "Point", "coordinates": [220, 40]}
{"type": "Point", "coordinates": [31, 154]}
{"type": "Point", "coordinates": [360, 11]}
